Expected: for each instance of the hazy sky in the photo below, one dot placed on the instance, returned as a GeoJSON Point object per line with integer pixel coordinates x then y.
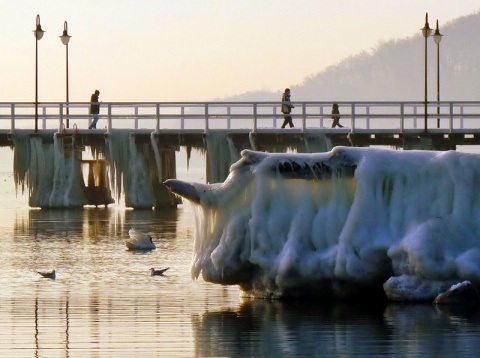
{"type": "Point", "coordinates": [194, 50]}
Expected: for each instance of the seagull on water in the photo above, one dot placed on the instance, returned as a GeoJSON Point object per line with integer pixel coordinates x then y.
{"type": "Point", "coordinates": [50, 274]}
{"type": "Point", "coordinates": [140, 241]}
{"type": "Point", "coordinates": [160, 272]}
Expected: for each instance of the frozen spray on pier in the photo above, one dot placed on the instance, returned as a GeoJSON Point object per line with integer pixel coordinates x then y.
{"type": "Point", "coordinates": [334, 224]}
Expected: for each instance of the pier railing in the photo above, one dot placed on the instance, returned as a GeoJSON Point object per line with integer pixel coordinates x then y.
{"type": "Point", "coordinates": [398, 117]}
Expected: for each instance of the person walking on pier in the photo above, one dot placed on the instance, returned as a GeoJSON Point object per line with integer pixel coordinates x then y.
{"type": "Point", "coordinates": [94, 109]}
{"type": "Point", "coordinates": [287, 108]}
{"type": "Point", "coordinates": [336, 116]}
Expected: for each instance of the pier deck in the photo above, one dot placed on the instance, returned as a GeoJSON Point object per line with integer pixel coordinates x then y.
{"type": "Point", "coordinates": [446, 124]}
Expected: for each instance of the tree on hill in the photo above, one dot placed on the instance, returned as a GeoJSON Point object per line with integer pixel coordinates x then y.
{"type": "Point", "coordinates": [394, 71]}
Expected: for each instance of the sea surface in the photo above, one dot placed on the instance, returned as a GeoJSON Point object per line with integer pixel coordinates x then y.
{"type": "Point", "coordinates": [104, 303]}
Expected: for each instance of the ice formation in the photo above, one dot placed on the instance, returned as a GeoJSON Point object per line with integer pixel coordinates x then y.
{"type": "Point", "coordinates": [136, 170]}
{"type": "Point", "coordinates": [52, 177]}
{"type": "Point", "coordinates": [129, 170]}
{"type": "Point", "coordinates": [51, 170]}
{"type": "Point", "coordinates": [221, 152]}
{"type": "Point", "coordinates": [337, 223]}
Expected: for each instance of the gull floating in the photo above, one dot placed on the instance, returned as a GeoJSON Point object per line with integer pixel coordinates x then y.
{"type": "Point", "coordinates": [159, 272]}
{"type": "Point", "coordinates": [140, 241]}
{"type": "Point", "coordinates": [50, 274]}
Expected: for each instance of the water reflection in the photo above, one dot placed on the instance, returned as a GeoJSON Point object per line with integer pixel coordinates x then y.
{"type": "Point", "coordinates": [433, 330]}
{"type": "Point", "coordinates": [105, 303]}
{"type": "Point", "coordinates": [273, 328]}
{"type": "Point", "coordinates": [94, 222]}
{"type": "Point", "coordinates": [103, 325]}
{"type": "Point", "coordinates": [265, 328]}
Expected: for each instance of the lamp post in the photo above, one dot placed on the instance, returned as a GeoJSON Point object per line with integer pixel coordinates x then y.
{"type": "Point", "coordinates": [65, 39]}
{"type": "Point", "coordinates": [38, 32]}
{"type": "Point", "coordinates": [426, 32]}
{"type": "Point", "coordinates": [437, 37]}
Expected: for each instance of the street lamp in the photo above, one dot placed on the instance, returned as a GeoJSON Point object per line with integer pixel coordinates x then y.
{"type": "Point", "coordinates": [426, 32]}
{"type": "Point", "coordinates": [437, 37]}
{"type": "Point", "coordinates": [38, 32]}
{"type": "Point", "coordinates": [65, 39]}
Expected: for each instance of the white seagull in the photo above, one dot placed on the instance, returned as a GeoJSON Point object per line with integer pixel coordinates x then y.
{"type": "Point", "coordinates": [160, 272]}
{"type": "Point", "coordinates": [50, 274]}
{"type": "Point", "coordinates": [140, 241]}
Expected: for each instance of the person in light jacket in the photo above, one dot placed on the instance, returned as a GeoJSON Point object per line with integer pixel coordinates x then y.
{"type": "Point", "coordinates": [287, 108]}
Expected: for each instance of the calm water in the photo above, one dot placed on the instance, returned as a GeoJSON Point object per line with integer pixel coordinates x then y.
{"type": "Point", "coordinates": [105, 303]}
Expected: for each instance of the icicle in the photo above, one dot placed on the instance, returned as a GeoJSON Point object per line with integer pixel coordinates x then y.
{"type": "Point", "coordinates": [158, 158]}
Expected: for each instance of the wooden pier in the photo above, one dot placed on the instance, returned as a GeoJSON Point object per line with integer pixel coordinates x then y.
{"type": "Point", "coordinates": [151, 133]}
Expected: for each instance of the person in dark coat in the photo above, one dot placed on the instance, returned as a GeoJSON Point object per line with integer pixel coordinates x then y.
{"type": "Point", "coordinates": [287, 108]}
{"type": "Point", "coordinates": [336, 116]}
{"type": "Point", "coordinates": [94, 109]}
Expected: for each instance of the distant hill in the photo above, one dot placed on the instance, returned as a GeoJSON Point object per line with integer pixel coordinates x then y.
{"type": "Point", "coordinates": [394, 70]}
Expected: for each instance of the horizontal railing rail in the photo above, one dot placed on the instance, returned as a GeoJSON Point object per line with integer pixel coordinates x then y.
{"type": "Point", "coordinates": [253, 116]}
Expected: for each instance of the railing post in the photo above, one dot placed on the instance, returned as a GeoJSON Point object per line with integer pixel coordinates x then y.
{"type": "Point", "coordinates": [304, 116]}
{"type": "Point", "coordinates": [415, 117]}
{"type": "Point", "coordinates": [136, 117]}
{"type": "Point", "coordinates": [353, 117]}
{"type": "Point", "coordinates": [367, 112]}
{"type": "Point", "coordinates": [109, 121]}
{"type": "Point", "coordinates": [157, 117]}
{"type": "Point", "coordinates": [60, 116]}
{"type": "Point", "coordinates": [402, 117]}
{"type": "Point", "coordinates": [255, 117]}
{"type": "Point", "coordinates": [182, 120]}
{"type": "Point", "coordinates": [451, 117]}
{"type": "Point", "coordinates": [321, 116]}
{"type": "Point", "coordinates": [274, 116]}
{"type": "Point", "coordinates": [206, 117]}
{"type": "Point", "coordinates": [229, 118]}
{"type": "Point", "coordinates": [12, 117]}
{"type": "Point", "coordinates": [461, 117]}
{"type": "Point", "coordinates": [44, 117]}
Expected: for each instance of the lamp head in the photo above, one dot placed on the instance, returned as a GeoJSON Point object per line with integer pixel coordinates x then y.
{"type": "Point", "coordinates": [426, 30]}
{"type": "Point", "coordinates": [38, 32]}
{"type": "Point", "coordinates": [65, 36]}
{"type": "Point", "coordinates": [437, 36]}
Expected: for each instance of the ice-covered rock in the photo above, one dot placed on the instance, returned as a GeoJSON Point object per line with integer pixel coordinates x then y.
{"type": "Point", "coordinates": [308, 224]}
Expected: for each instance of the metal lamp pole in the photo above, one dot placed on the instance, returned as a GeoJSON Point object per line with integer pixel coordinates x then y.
{"type": "Point", "coordinates": [38, 32]}
{"type": "Point", "coordinates": [437, 37]}
{"type": "Point", "coordinates": [426, 31]}
{"type": "Point", "coordinates": [65, 39]}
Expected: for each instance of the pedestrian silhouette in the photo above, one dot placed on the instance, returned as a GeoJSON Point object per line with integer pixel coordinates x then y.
{"type": "Point", "coordinates": [94, 109]}
{"type": "Point", "coordinates": [287, 108]}
{"type": "Point", "coordinates": [336, 116]}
